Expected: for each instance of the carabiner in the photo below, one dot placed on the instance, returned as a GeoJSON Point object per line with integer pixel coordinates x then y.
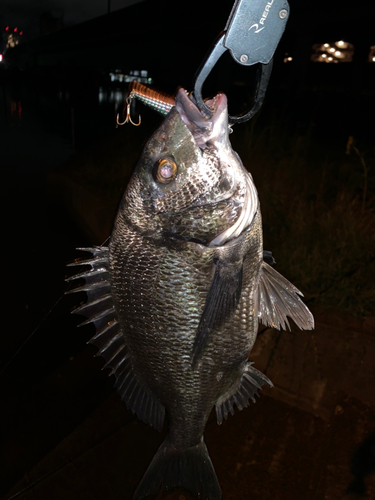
{"type": "Point", "coordinates": [252, 33]}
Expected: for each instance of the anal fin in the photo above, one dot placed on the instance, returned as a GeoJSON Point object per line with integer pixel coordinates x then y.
{"type": "Point", "coordinates": [252, 380]}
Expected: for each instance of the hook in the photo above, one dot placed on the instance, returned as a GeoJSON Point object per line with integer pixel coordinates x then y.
{"type": "Point", "coordinates": [128, 118]}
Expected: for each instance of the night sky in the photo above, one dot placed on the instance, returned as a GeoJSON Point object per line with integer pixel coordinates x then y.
{"type": "Point", "coordinates": [26, 14]}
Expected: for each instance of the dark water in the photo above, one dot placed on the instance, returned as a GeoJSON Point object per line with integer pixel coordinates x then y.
{"type": "Point", "coordinates": [40, 129]}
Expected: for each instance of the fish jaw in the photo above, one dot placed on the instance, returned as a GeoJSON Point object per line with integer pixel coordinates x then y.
{"type": "Point", "coordinates": [206, 131]}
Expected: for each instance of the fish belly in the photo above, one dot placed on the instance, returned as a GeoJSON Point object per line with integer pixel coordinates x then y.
{"type": "Point", "coordinates": [159, 293]}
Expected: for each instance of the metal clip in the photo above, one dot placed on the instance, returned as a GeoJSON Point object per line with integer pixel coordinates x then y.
{"type": "Point", "coordinates": [252, 33]}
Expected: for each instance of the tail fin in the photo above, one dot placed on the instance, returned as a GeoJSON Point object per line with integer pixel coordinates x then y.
{"type": "Point", "coordinates": [190, 468]}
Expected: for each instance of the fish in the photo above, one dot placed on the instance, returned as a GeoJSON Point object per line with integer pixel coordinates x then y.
{"type": "Point", "coordinates": [177, 296]}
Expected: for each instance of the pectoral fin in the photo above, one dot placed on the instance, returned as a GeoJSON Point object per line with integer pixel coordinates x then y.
{"type": "Point", "coordinates": [221, 301]}
{"type": "Point", "coordinates": [278, 298]}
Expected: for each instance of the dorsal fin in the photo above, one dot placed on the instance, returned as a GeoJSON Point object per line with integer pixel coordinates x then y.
{"type": "Point", "coordinates": [109, 339]}
{"type": "Point", "coordinates": [278, 298]}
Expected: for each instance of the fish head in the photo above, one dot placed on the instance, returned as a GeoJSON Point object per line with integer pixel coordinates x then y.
{"type": "Point", "coordinates": [189, 184]}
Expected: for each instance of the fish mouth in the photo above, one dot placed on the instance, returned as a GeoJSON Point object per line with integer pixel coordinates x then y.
{"type": "Point", "coordinates": [214, 130]}
{"type": "Point", "coordinates": [205, 130]}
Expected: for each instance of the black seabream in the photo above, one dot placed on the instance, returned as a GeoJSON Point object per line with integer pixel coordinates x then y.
{"type": "Point", "coordinates": [177, 296]}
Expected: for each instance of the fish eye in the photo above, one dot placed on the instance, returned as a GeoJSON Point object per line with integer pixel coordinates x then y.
{"type": "Point", "coordinates": [165, 170]}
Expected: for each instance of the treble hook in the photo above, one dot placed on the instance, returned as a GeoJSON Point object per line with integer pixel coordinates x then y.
{"type": "Point", "coordinates": [128, 118]}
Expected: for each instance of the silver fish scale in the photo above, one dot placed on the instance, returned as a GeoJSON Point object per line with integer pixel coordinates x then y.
{"type": "Point", "coordinates": [181, 199]}
{"type": "Point", "coordinates": [160, 294]}
{"type": "Point", "coordinates": [176, 298]}
{"type": "Point", "coordinates": [243, 326]}
{"type": "Point", "coordinates": [204, 223]}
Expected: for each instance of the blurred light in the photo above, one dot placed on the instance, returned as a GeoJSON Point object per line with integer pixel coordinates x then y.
{"type": "Point", "coordinates": [287, 58]}
{"type": "Point", "coordinates": [21, 33]}
{"type": "Point", "coordinates": [15, 30]}
{"type": "Point", "coordinates": [329, 53]}
{"type": "Point", "coordinates": [373, 59]}
{"type": "Point", "coordinates": [102, 95]}
{"type": "Point", "coordinates": [7, 28]}
{"type": "Point", "coordinates": [1, 57]}
{"type": "Point", "coordinates": [342, 44]}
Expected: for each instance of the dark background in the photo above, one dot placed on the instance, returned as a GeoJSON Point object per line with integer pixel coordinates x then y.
{"type": "Point", "coordinates": [50, 382]}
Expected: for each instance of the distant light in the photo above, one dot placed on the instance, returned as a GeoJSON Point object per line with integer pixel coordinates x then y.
{"type": "Point", "coordinates": [1, 57]}
{"type": "Point", "coordinates": [373, 59]}
{"type": "Point", "coordinates": [21, 33]}
{"type": "Point", "coordinates": [15, 30]}
{"type": "Point", "coordinates": [322, 51]}
{"type": "Point", "coordinates": [7, 28]}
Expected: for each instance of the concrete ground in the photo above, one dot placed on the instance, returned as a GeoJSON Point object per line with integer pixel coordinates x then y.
{"type": "Point", "coordinates": [65, 434]}
{"type": "Point", "coordinates": [310, 437]}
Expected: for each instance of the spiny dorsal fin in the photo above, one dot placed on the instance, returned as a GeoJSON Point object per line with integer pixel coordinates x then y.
{"type": "Point", "coordinates": [109, 339]}
{"type": "Point", "coordinates": [221, 302]}
{"type": "Point", "coordinates": [278, 298]}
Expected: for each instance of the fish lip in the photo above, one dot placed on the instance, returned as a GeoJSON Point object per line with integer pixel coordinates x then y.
{"type": "Point", "coordinates": [189, 110]}
{"type": "Point", "coordinates": [203, 128]}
